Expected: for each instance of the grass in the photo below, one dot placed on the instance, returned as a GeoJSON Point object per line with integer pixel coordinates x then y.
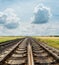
{"type": "Point", "coordinates": [51, 41]}
{"type": "Point", "coordinates": [5, 38]}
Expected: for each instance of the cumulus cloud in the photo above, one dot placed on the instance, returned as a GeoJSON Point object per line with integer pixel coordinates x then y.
{"type": "Point", "coordinates": [2, 18]}
{"type": "Point", "coordinates": [9, 19]}
{"type": "Point", "coordinates": [11, 25]}
{"type": "Point", "coordinates": [42, 14]}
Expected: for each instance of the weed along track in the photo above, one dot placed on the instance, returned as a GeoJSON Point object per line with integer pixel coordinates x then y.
{"type": "Point", "coordinates": [29, 51]}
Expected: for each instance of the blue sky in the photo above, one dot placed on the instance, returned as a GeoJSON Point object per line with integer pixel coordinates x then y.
{"type": "Point", "coordinates": [19, 17]}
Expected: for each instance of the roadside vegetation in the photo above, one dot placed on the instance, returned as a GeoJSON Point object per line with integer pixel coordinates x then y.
{"type": "Point", "coordinates": [5, 38]}
{"type": "Point", "coordinates": [51, 41]}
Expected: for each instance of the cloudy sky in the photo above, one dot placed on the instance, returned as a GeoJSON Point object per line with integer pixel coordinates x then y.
{"type": "Point", "coordinates": [29, 17]}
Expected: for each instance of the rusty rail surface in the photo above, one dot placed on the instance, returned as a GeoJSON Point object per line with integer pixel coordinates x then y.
{"type": "Point", "coordinates": [30, 55]}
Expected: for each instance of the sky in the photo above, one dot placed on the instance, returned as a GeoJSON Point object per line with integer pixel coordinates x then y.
{"type": "Point", "coordinates": [29, 17]}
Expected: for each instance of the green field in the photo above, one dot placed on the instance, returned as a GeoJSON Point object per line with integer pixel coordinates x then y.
{"type": "Point", "coordinates": [51, 41]}
{"type": "Point", "coordinates": [5, 38]}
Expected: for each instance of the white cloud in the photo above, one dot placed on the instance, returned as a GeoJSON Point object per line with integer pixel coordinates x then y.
{"type": "Point", "coordinates": [42, 14]}
{"type": "Point", "coordinates": [10, 24]}
{"type": "Point", "coordinates": [53, 28]}
{"type": "Point", "coordinates": [9, 19]}
{"type": "Point", "coordinates": [41, 29]}
{"type": "Point", "coordinates": [29, 29]}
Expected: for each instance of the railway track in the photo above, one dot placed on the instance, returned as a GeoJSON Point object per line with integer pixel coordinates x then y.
{"type": "Point", "coordinates": [30, 52]}
{"type": "Point", "coordinates": [7, 44]}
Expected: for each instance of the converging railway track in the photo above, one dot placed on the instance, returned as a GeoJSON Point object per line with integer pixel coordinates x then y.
{"type": "Point", "coordinates": [28, 51]}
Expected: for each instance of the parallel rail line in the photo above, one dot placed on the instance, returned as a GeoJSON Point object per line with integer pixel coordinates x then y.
{"type": "Point", "coordinates": [29, 51]}
{"type": "Point", "coordinates": [7, 44]}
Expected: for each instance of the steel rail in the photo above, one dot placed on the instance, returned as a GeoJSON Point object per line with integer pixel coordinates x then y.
{"type": "Point", "coordinates": [7, 55]}
{"type": "Point", "coordinates": [30, 55]}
